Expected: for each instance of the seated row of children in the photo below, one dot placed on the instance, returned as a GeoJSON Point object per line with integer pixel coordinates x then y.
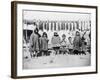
{"type": "Point", "coordinates": [39, 44]}
{"type": "Point", "coordinates": [77, 46]}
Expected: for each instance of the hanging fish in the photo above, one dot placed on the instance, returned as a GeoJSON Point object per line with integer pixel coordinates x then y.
{"type": "Point", "coordinates": [90, 24]}
{"type": "Point", "coordinates": [59, 26]}
{"type": "Point", "coordinates": [70, 27]}
{"type": "Point", "coordinates": [77, 23]}
{"type": "Point", "coordinates": [51, 26]}
{"type": "Point", "coordinates": [62, 25]}
{"type": "Point", "coordinates": [81, 25]}
{"type": "Point", "coordinates": [40, 25]}
{"type": "Point", "coordinates": [66, 26]}
{"type": "Point", "coordinates": [55, 26]}
{"type": "Point", "coordinates": [85, 25]}
{"type": "Point", "coordinates": [47, 26]}
{"type": "Point", "coordinates": [43, 25]}
{"type": "Point", "coordinates": [73, 26]}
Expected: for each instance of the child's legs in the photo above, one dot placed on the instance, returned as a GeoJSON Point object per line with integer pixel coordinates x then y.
{"type": "Point", "coordinates": [70, 51]}
{"type": "Point", "coordinates": [42, 52]}
{"type": "Point", "coordinates": [58, 48]}
{"type": "Point", "coordinates": [76, 52]}
{"type": "Point", "coordinates": [54, 48]}
{"type": "Point", "coordinates": [46, 52]}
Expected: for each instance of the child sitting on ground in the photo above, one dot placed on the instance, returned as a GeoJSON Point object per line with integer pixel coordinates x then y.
{"type": "Point", "coordinates": [63, 44]}
{"type": "Point", "coordinates": [70, 45]}
{"type": "Point", "coordinates": [56, 42]}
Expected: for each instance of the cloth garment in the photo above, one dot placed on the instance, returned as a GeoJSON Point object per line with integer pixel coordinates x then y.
{"type": "Point", "coordinates": [34, 42]}
{"type": "Point", "coordinates": [77, 43]}
{"type": "Point", "coordinates": [70, 44]}
{"type": "Point", "coordinates": [83, 47]}
{"type": "Point", "coordinates": [43, 43]}
{"type": "Point", "coordinates": [40, 32]}
{"type": "Point", "coordinates": [55, 41]}
{"type": "Point", "coordinates": [63, 43]}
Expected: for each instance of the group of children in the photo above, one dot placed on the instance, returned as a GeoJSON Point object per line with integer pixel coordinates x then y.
{"type": "Point", "coordinates": [39, 44]}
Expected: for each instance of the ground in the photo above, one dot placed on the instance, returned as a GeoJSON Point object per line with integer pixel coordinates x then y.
{"type": "Point", "coordinates": [54, 61]}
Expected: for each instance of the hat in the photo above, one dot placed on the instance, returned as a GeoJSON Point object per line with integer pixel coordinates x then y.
{"type": "Point", "coordinates": [63, 35]}
{"type": "Point", "coordinates": [55, 34]}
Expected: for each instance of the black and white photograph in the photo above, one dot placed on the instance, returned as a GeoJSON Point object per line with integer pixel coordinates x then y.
{"type": "Point", "coordinates": [53, 39]}
{"type": "Point", "coordinates": [56, 39]}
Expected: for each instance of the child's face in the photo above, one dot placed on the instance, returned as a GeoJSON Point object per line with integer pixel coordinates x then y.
{"type": "Point", "coordinates": [63, 37]}
{"type": "Point", "coordinates": [45, 36]}
{"type": "Point", "coordinates": [77, 33]}
{"type": "Point", "coordinates": [70, 39]}
{"type": "Point", "coordinates": [36, 31]}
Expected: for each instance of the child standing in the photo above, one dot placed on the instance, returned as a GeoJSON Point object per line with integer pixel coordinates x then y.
{"type": "Point", "coordinates": [44, 44]}
{"type": "Point", "coordinates": [34, 43]}
{"type": "Point", "coordinates": [77, 43]}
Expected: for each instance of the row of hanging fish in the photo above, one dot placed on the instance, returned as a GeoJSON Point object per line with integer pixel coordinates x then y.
{"type": "Point", "coordinates": [64, 25]}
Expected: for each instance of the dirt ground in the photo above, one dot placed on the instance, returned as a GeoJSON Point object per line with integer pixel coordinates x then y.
{"type": "Point", "coordinates": [54, 61]}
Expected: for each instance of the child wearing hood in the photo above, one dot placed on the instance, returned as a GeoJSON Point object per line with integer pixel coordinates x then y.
{"type": "Point", "coordinates": [34, 43]}
{"type": "Point", "coordinates": [63, 44]}
{"type": "Point", "coordinates": [56, 42]}
{"type": "Point", "coordinates": [77, 43]}
{"type": "Point", "coordinates": [44, 44]}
